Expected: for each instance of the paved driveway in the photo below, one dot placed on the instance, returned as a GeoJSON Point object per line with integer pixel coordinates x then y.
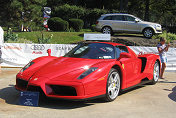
{"type": "Point", "coordinates": [148, 101]}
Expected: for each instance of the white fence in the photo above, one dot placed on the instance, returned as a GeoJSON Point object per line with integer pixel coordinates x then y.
{"type": "Point", "coordinates": [18, 54]}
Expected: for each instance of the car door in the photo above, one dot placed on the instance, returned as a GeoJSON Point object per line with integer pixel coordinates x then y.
{"type": "Point", "coordinates": [118, 23]}
{"type": "Point", "coordinates": [131, 66]}
{"type": "Point", "coordinates": [131, 25]}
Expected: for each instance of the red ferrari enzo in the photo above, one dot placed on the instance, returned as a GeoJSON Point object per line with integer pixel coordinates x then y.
{"type": "Point", "coordinates": [91, 69]}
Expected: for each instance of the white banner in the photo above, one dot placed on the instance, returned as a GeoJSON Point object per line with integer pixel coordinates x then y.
{"type": "Point", "coordinates": [18, 54]}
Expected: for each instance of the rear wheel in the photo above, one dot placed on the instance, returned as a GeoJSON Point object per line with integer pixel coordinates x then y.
{"type": "Point", "coordinates": [113, 85]}
{"type": "Point", "coordinates": [107, 30]}
{"type": "Point", "coordinates": [156, 71]}
{"type": "Point", "coordinates": [148, 32]}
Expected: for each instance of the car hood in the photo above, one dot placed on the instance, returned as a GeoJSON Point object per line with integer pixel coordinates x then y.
{"type": "Point", "coordinates": [66, 68]}
{"type": "Point", "coordinates": [149, 23]}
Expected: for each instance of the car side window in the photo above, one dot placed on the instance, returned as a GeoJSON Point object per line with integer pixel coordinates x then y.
{"type": "Point", "coordinates": [123, 49]}
{"type": "Point", "coordinates": [118, 17]}
{"type": "Point", "coordinates": [118, 51]}
{"type": "Point", "coordinates": [108, 18]}
{"type": "Point", "coordinates": [129, 18]}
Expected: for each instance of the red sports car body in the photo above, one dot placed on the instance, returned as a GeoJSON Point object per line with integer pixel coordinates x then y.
{"type": "Point", "coordinates": [89, 70]}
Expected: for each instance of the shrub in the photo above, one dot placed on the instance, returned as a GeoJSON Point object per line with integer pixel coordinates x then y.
{"type": "Point", "coordinates": [93, 28]}
{"type": "Point", "coordinates": [76, 24]}
{"type": "Point", "coordinates": [92, 15]}
{"type": "Point", "coordinates": [167, 36]}
{"type": "Point", "coordinates": [57, 24]}
{"type": "Point", "coordinates": [67, 12]}
{"type": "Point", "coordinates": [10, 36]}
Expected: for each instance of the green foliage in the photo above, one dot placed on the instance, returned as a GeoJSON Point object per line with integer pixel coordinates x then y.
{"type": "Point", "coordinates": [93, 28]}
{"type": "Point", "coordinates": [10, 36]}
{"type": "Point", "coordinates": [67, 12]}
{"type": "Point", "coordinates": [20, 40]}
{"type": "Point", "coordinates": [58, 24]}
{"type": "Point", "coordinates": [26, 12]}
{"type": "Point", "coordinates": [168, 36]}
{"type": "Point", "coordinates": [93, 14]}
{"type": "Point", "coordinates": [43, 39]}
{"type": "Point", "coordinates": [76, 24]}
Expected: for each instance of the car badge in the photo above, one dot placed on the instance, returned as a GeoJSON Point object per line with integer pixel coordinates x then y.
{"type": "Point", "coordinates": [123, 66]}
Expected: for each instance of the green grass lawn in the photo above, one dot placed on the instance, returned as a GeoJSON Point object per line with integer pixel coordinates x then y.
{"type": "Point", "coordinates": [69, 37]}
{"type": "Point", "coordinates": [57, 37]}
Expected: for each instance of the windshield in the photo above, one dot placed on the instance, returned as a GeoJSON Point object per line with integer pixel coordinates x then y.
{"type": "Point", "coordinates": [92, 51]}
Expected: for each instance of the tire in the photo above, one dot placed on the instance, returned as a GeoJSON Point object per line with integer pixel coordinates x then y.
{"type": "Point", "coordinates": [113, 85]}
{"type": "Point", "coordinates": [156, 71]}
{"type": "Point", "coordinates": [148, 32]}
{"type": "Point", "coordinates": [107, 30]}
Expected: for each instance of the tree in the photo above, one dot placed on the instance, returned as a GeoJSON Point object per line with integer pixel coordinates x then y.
{"type": "Point", "coordinates": [27, 12]}
{"type": "Point", "coordinates": [5, 10]}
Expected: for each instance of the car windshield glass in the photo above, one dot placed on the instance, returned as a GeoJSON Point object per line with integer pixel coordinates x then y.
{"type": "Point", "coordinates": [92, 51]}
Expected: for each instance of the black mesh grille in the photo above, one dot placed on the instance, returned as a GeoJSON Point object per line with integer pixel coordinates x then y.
{"type": "Point", "coordinates": [21, 83]}
{"type": "Point", "coordinates": [35, 89]}
{"type": "Point", "coordinates": [64, 90]}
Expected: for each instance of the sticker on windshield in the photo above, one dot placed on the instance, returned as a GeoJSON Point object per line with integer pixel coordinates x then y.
{"type": "Point", "coordinates": [107, 57]}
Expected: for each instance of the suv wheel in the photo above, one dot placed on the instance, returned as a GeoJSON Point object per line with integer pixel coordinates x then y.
{"type": "Point", "coordinates": [107, 30]}
{"type": "Point", "coordinates": [148, 32]}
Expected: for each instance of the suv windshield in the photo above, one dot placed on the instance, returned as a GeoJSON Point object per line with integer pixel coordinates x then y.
{"type": "Point", "coordinates": [92, 51]}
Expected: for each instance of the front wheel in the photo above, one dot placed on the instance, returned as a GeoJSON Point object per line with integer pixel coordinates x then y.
{"type": "Point", "coordinates": [148, 32]}
{"type": "Point", "coordinates": [156, 71]}
{"type": "Point", "coordinates": [113, 85]}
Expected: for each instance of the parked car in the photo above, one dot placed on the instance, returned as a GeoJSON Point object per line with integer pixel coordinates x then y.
{"type": "Point", "coordinates": [118, 22]}
{"type": "Point", "coordinates": [90, 70]}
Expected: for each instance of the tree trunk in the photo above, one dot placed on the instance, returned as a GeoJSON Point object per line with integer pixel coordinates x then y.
{"type": "Point", "coordinates": [146, 17]}
{"type": "Point", "coordinates": [123, 5]}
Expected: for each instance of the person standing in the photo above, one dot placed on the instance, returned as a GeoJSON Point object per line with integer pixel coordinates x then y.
{"type": "Point", "coordinates": [162, 49]}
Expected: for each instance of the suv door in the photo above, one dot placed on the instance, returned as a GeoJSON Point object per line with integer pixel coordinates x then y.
{"type": "Point", "coordinates": [131, 25]}
{"type": "Point", "coordinates": [118, 23]}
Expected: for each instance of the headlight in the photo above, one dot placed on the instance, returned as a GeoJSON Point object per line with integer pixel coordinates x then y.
{"type": "Point", "coordinates": [87, 72]}
{"type": "Point", "coordinates": [27, 66]}
{"type": "Point", "coordinates": [157, 26]}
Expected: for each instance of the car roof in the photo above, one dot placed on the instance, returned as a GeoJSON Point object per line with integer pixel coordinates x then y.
{"type": "Point", "coordinates": [116, 14]}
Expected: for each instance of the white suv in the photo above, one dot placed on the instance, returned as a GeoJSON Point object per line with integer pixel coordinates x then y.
{"type": "Point", "coordinates": [120, 22]}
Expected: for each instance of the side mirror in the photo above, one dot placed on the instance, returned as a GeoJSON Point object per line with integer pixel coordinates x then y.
{"type": "Point", "coordinates": [136, 20]}
{"type": "Point", "coordinates": [125, 55]}
{"type": "Point", "coordinates": [49, 52]}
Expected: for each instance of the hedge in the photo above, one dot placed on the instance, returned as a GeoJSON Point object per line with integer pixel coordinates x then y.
{"type": "Point", "coordinates": [76, 24]}
{"type": "Point", "coordinates": [57, 24]}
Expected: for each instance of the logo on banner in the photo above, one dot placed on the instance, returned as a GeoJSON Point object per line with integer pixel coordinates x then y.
{"type": "Point", "coordinates": [37, 52]}
{"type": "Point", "coordinates": [12, 47]}
{"type": "Point", "coordinates": [37, 47]}
{"type": "Point", "coordinates": [64, 48]}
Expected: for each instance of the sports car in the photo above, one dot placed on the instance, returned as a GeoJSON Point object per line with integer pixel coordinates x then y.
{"type": "Point", "coordinates": [90, 70]}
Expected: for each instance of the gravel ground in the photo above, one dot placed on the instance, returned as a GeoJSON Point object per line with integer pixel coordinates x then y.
{"type": "Point", "coordinates": [137, 40]}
